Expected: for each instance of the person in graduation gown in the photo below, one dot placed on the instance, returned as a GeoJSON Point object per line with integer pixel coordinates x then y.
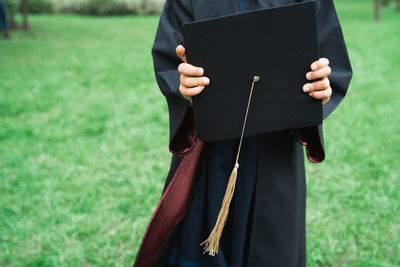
{"type": "Point", "coordinates": [3, 19]}
{"type": "Point", "coordinates": [266, 222]}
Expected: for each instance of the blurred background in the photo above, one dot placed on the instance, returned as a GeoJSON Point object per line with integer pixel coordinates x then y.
{"type": "Point", "coordinates": [84, 135]}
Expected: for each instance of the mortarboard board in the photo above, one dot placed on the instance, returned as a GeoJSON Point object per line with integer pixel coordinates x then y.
{"type": "Point", "coordinates": [256, 62]}
{"type": "Point", "coordinates": [278, 45]}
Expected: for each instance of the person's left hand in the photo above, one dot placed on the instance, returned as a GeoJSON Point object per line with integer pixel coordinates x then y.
{"type": "Point", "coordinates": [320, 89]}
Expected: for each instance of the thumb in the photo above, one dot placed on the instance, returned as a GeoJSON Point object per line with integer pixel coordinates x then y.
{"type": "Point", "coordinates": [181, 53]}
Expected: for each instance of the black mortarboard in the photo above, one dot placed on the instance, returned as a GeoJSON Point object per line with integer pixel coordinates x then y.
{"type": "Point", "coordinates": [256, 62]}
{"type": "Point", "coordinates": [278, 45]}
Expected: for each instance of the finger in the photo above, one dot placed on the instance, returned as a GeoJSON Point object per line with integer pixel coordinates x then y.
{"type": "Point", "coordinates": [181, 53]}
{"type": "Point", "coordinates": [190, 70]}
{"type": "Point", "coordinates": [187, 97]}
{"type": "Point", "coordinates": [317, 86]}
{"type": "Point", "coordinates": [325, 100]}
{"type": "Point", "coordinates": [324, 94]}
{"type": "Point", "coordinates": [185, 91]}
{"type": "Point", "coordinates": [188, 81]}
{"type": "Point", "coordinates": [318, 74]}
{"type": "Point", "coordinates": [319, 64]}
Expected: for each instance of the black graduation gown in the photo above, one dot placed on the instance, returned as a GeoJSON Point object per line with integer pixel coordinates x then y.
{"type": "Point", "coordinates": [277, 236]}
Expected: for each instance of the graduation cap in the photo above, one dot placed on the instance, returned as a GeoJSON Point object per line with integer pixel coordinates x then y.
{"type": "Point", "coordinates": [256, 62]}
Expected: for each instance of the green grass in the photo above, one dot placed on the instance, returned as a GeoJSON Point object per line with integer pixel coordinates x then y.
{"type": "Point", "coordinates": [84, 132]}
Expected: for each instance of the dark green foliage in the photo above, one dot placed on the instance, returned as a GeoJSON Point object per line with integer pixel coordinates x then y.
{"type": "Point", "coordinates": [91, 7]}
{"type": "Point", "coordinates": [41, 6]}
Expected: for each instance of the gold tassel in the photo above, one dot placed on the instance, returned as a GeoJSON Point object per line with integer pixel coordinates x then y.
{"type": "Point", "coordinates": [211, 244]}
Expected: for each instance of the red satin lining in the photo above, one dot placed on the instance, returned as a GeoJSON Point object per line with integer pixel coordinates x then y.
{"type": "Point", "coordinates": [185, 137]}
{"type": "Point", "coordinates": [311, 139]}
{"type": "Point", "coordinates": [176, 198]}
{"type": "Point", "coordinates": [171, 209]}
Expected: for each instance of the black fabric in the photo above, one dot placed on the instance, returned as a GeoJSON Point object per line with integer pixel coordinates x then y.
{"type": "Point", "coordinates": [168, 37]}
{"type": "Point", "coordinates": [217, 162]}
{"type": "Point", "coordinates": [278, 227]}
{"type": "Point", "coordinates": [240, 46]}
{"type": "Point", "coordinates": [332, 46]}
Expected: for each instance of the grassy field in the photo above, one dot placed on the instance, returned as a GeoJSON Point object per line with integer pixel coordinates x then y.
{"type": "Point", "coordinates": [84, 132]}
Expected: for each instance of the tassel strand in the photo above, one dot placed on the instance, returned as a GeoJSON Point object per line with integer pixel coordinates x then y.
{"type": "Point", "coordinates": [211, 244]}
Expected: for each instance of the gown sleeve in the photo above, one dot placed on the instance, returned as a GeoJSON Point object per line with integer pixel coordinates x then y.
{"type": "Point", "coordinates": [166, 62]}
{"type": "Point", "coordinates": [332, 46]}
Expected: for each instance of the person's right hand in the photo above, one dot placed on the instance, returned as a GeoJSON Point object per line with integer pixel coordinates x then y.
{"type": "Point", "coordinates": [192, 81]}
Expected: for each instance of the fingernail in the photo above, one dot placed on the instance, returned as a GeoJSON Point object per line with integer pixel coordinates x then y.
{"type": "Point", "coordinates": [308, 76]}
{"type": "Point", "coordinates": [313, 66]}
{"type": "Point", "coordinates": [201, 71]}
{"type": "Point", "coordinates": [310, 94]}
{"type": "Point", "coordinates": [306, 89]}
{"type": "Point", "coordinates": [206, 81]}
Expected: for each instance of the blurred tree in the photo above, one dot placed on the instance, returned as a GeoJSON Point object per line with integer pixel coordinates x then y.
{"type": "Point", "coordinates": [13, 6]}
{"type": "Point", "coordinates": [377, 10]}
{"type": "Point", "coordinates": [387, 2]}
{"type": "Point", "coordinates": [24, 9]}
